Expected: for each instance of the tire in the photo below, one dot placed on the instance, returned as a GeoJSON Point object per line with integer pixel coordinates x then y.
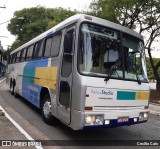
{"type": "Point", "coordinates": [12, 88]}
{"type": "Point", "coordinates": [46, 111]}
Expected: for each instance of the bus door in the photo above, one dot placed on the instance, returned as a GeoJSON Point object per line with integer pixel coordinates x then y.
{"type": "Point", "coordinates": [65, 78]}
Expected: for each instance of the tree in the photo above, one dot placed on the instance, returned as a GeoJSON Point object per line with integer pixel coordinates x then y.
{"type": "Point", "coordinates": [30, 22]}
{"type": "Point", "coordinates": [149, 67]}
{"type": "Point", "coordinates": [140, 15]}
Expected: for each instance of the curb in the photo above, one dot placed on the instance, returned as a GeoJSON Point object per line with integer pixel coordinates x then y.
{"type": "Point", "coordinates": [153, 103]}
{"type": "Point", "coordinates": [154, 112]}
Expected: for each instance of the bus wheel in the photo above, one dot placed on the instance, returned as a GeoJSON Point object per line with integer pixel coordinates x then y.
{"type": "Point", "coordinates": [12, 88]}
{"type": "Point", "coordinates": [46, 110]}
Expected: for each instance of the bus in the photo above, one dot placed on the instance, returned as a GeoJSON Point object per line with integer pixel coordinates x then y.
{"type": "Point", "coordinates": [86, 72]}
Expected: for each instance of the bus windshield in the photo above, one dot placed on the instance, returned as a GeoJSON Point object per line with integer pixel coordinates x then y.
{"type": "Point", "coordinates": [100, 49]}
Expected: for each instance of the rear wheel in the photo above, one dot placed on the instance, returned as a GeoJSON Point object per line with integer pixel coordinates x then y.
{"type": "Point", "coordinates": [46, 110]}
{"type": "Point", "coordinates": [12, 87]}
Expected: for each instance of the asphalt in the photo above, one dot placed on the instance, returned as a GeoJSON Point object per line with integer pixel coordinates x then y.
{"type": "Point", "coordinates": [10, 135]}
{"type": "Point", "coordinates": [10, 132]}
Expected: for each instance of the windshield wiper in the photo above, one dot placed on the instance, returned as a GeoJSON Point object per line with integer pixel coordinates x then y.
{"type": "Point", "coordinates": [111, 71]}
{"type": "Point", "coordinates": [135, 71]}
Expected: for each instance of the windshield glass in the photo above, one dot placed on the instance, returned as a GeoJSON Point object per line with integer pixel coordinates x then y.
{"type": "Point", "coordinates": [102, 53]}
{"type": "Point", "coordinates": [99, 51]}
{"type": "Point", "coordinates": [134, 55]}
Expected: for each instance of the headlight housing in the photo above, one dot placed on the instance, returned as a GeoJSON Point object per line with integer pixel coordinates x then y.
{"type": "Point", "coordinates": [143, 116]}
{"type": "Point", "coordinates": [94, 120]}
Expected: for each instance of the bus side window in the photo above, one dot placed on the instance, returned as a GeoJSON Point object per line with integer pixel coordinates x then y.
{"type": "Point", "coordinates": [56, 42]}
{"type": "Point", "coordinates": [38, 50]}
{"type": "Point", "coordinates": [14, 58]}
{"type": "Point", "coordinates": [10, 59]}
{"type": "Point", "coordinates": [47, 49]}
{"type": "Point", "coordinates": [23, 55]}
{"type": "Point", "coordinates": [40, 53]}
{"type": "Point", "coordinates": [30, 52]}
{"type": "Point", "coordinates": [18, 56]}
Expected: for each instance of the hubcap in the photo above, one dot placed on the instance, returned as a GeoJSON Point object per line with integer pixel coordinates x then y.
{"type": "Point", "coordinates": [47, 108]}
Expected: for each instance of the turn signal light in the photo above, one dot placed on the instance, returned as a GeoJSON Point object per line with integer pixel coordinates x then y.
{"type": "Point", "coordinates": [146, 107]}
{"type": "Point", "coordinates": [89, 108]}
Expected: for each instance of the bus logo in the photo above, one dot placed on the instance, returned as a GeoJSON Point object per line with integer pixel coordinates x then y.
{"type": "Point", "coordinates": [102, 92]}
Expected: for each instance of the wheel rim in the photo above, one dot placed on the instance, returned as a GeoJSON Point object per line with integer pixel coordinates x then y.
{"type": "Point", "coordinates": [47, 108]}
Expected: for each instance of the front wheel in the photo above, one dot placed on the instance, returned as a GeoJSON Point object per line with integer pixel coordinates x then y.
{"type": "Point", "coordinates": [46, 110]}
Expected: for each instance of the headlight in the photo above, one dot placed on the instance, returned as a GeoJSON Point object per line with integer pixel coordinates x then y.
{"type": "Point", "coordinates": [94, 120]}
{"type": "Point", "coordinates": [90, 119]}
{"type": "Point", "coordinates": [145, 115]}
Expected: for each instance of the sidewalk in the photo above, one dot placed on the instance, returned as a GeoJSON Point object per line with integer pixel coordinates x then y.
{"type": "Point", "coordinates": [9, 132]}
{"type": "Point", "coordinates": [154, 109]}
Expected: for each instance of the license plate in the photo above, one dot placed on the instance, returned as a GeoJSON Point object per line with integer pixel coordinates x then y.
{"type": "Point", "coordinates": [122, 119]}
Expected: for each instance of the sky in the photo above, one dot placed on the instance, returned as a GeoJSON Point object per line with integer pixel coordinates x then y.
{"type": "Point", "coordinates": [15, 5]}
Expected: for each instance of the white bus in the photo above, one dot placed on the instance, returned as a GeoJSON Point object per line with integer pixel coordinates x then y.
{"type": "Point", "coordinates": [87, 72]}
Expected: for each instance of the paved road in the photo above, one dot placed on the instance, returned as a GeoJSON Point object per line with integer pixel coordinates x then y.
{"type": "Point", "coordinates": [29, 118]}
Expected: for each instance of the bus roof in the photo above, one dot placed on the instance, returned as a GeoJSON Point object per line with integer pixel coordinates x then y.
{"type": "Point", "coordinates": [80, 18]}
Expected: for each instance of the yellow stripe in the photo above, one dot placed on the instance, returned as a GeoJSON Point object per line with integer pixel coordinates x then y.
{"type": "Point", "coordinates": [46, 77]}
{"type": "Point", "coordinates": [142, 95]}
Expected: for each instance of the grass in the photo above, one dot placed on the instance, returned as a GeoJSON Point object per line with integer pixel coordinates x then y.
{"type": "Point", "coordinates": [1, 113]}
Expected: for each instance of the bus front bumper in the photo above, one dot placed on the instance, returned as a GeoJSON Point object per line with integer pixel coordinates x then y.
{"type": "Point", "coordinates": [110, 119]}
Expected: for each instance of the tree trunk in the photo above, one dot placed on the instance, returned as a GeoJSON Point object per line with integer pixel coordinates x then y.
{"type": "Point", "coordinates": [155, 69]}
{"type": "Point", "coordinates": [158, 85]}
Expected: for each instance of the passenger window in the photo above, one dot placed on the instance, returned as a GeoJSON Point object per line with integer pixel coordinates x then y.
{"type": "Point", "coordinates": [30, 52]}
{"type": "Point", "coordinates": [18, 56]}
{"type": "Point", "coordinates": [38, 50]}
{"type": "Point", "coordinates": [23, 55]}
{"type": "Point", "coordinates": [14, 58]}
{"type": "Point", "coordinates": [56, 42]}
{"type": "Point", "coordinates": [10, 59]}
{"type": "Point", "coordinates": [48, 47]}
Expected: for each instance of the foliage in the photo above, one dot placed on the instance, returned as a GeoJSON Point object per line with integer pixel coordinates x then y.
{"type": "Point", "coordinates": [30, 22]}
{"type": "Point", "coordinates": [149, 67]}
